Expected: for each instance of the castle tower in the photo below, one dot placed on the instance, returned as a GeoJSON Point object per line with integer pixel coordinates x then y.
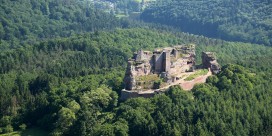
{"type": "Point", "coordinates": [166, 61]}
{"type": "Point", "coordinates": [140, 55]}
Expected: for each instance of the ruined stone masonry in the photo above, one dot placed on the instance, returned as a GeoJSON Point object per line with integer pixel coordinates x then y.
{"type": "Point", "coordinates": [209, 61]}
{"type": "Point", "coordinates": [148, 72]}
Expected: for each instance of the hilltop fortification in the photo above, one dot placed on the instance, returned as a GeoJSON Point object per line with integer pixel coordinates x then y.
{"type": "Point", "coordinates": [151, 72]}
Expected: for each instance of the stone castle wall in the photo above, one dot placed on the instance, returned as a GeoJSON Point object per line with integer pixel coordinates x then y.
{"type": "Point", "coordinates": [158, 62]}
{"type": "Point", "coordinates": [164, 61]}
{"type": "Point", "coordinates": [126, 94]}
{"type": "Point", "coordinates": [167, 63]}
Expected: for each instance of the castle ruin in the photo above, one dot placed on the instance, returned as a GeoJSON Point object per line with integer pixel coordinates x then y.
{"type": "Point", "coordinates": [147, 72]}
{"type": "Point", "coordinates": [209, 61]}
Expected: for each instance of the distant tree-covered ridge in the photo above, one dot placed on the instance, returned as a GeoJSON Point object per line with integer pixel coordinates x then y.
{"type": "Point", "coordinates": [246, 21]}
{"type": "Point", "coordinates": [32, 20]}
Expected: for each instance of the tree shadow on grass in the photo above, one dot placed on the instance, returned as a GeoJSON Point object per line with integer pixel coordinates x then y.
{"type": "Point", "coordinates": [34, 132]}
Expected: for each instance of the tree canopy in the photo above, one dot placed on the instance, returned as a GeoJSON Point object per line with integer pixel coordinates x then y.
{"type": "Point", "coordinates": [62, 65]}
{"type": "Point", "coordinates": [246, 21]}
{"type": "Point", "coordinates": [31, 20]}
{"type": "Point", "coordinates": [70, 86]}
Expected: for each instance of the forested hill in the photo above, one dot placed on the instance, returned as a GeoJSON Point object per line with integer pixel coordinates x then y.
{"type": "Point", "coordinates": [62, 67]}
{"type": "Point", "coordinates": [22, 20]}
{"type": "Point", "coordinates": [69, 86]}
{"type": "Point", "coordinates": [247, 21]}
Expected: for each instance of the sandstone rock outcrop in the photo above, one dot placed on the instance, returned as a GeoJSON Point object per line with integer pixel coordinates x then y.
{"type": "Point", "coordinates": [209, 61]}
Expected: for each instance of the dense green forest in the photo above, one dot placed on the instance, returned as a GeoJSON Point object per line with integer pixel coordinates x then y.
{"type": "Point", "coordinates": [246, 21]}
{"type": "Point", "coordinates": [35, 76]}
{"type": "Point", "coordinates": [28, 20]}
{"type": "Point", "coordinates": [62, 65]}
{"type": "Point", "coordinates": [70, 86]}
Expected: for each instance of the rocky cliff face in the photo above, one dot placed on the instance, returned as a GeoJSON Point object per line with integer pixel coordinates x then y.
{"type": "Point", "coordinates": [129, 79]}
{"type": "Point", "coordinates": [209, 61]}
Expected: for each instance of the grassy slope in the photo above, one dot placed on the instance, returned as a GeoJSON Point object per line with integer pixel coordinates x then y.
{"type": "Point", "coordinates": [28, 132]}
{"type": "Point", "coordinates": [196, 74]}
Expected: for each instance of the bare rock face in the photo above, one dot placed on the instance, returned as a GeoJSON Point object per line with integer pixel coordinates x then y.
{"type": "Point", "coordinates": [129, 79]}
{"type": "Point", "coordinates": [209, 61]}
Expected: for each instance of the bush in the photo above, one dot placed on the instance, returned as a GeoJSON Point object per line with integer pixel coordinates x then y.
{"type": "Point", "coordinates": [22, 127]}
{"type": "Point", "coordinates": [8, 129]}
